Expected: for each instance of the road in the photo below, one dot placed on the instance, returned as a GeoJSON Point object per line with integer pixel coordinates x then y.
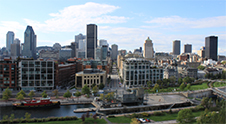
{"type": "Point", "coordinates": [114, 83]}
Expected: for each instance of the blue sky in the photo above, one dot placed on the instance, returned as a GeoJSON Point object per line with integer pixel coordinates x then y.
{"type": "Point", "coordinates": [126, 23]}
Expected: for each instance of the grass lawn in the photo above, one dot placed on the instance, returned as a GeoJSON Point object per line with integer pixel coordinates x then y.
{"type": "Point", "coordinates": [199, 87]}
{"type": "Point", "coordinates": [171, 116]}
{"type": "Point", "coordinates": [87, 121]}
{"type": "Point", "coordinates": [121, 119]}
{"type": "Point", "coordinates": [165, 117]}
{"type": "Point", "coordinates": [219, 84]}
{"type": "Point", "coordinates": [193, 87]}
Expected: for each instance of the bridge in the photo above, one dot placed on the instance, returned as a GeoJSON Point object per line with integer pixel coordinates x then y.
{"type": "Point", "coordinates": [219, 93]}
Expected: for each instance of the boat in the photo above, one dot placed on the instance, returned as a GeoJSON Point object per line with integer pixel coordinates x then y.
{"type": "Point", "coordinates": [42, 103]}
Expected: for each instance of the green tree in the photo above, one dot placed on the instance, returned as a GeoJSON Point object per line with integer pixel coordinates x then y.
{"type": "Point", "coordinates": [185, 116]}
{"type": "Point", "coordinates": [44, 94]}
{"type": "Point", "coordinates": [182, 86]}
{"type": "Point", "coordinates": [27, 116]}
{"type": "Point", "coordinates": [93, 85]}
{"type": "Point", "coordinates": [21, 92]}
{"type": "Point", "coordinates": [86, 90]}
{"type": "Point", "coordinates": [149, 84]}
{"type": "Point", "coordinates": [172, 79]}
{"type": "Point", "coordinates": [204, 102]}
{"type": "Point", "coordinates": [55, 93]}
{"type": "Point", "coordinates": [6, 94]}
{"type": "Point", "coordinates": [200, 67]}
{"type": "Point", "coordinates": [95, 90]}
{"type": "Point", "coordinates": [110, 96]}
{"type": "Point", "coordinates": [31, 94]}
{"type": "Point", "coordinates": [20, 97]}
{"type": "Point", "coordinates": [102, 96]}
{"type": "Point", "coordinates": [11, 117]}
{"type": "Point", "coordinates": [159, 82]}
{"type": "Point", "coordinates": [180, 80]}
{"type": "Point", "coordinates": [101, 86]}
{"type": "Point", "coordinates": [156, 87]}
{"type": "Point", "coordinates": [78, 94]}
{"type": "Point", "coordinates": [188, 87]}
{"type": "Point", "coordinates": [186, 80]}
{"type": "Point", "coordinates": [134, 121]}
{"type": "Point", "coordinates": [208, 117]}
{"type": "Point", "coordinates": [67, 94]}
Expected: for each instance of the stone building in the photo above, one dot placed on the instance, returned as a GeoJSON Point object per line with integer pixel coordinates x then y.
{"type": "Point", "coordinates": [90, 76]}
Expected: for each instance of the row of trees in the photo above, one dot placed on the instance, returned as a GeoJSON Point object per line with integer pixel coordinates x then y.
{"type": "Point", "coordinates": [21, 95]}
{"type": "Point", "coordinates": [216, 76]}
{"type": "Point", "coordinates": [172, 80]}
{"type": "Point", "coordinates": [211, 115]}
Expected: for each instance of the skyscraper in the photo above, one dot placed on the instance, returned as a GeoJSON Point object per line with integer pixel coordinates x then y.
{"type": "Point", "coordinates": [73, 49]}
{"type": "Point", "coordinates": [148, 49]}
{"type": "Point", "coordinates": [201, 52]}
{"type": "Point", "coordinates": [9, 40]}
{"type": "Point", "coordinates": [187, 48]}
{"type": "Point", "coordinates": [176, 47]}
{"type": "Point", "coordinates": [211, 47]}
{"type": "Point", "coordinates": [79, 37]}
{"type": "Point", "coordinates": [91, 40]}
{"type": "Point", "coordinates": [114, 48]}
{"type": "Point", "coordinates": [15, 48]}
{"type": "Point", "coordinates": [29, 47]}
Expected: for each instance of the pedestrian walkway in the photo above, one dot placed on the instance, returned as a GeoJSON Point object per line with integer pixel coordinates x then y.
{"type": "Point", "coordinates": [104, 117]}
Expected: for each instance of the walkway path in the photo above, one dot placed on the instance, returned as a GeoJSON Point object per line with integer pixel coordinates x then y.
{"type": "Point", "coordinates": [104, 117]}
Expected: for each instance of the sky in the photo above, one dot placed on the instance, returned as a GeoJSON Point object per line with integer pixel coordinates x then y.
{"type": "Point", "coordinates": [126, 23]}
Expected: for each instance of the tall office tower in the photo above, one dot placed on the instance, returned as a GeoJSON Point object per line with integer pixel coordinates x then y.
{"type": "Point", "coordinates": [148, 49]}
{"type": "Point", "coordinates": [73, 50]}
{"type": "Point", "coordinates": [15, 48]}
{"type": "Point", "coordinates": [98, 53]}
{"type": "Point", "coordinates": [104, 52]}
{"type": "Point", "coordinates": [79, 37]}
{"type": "Point", "coordinates": [9, 40]}
{"type": "Point", "coordinates": [201, 52]}
{"type": "Point", "coordinates": [114, 54]}
{"type": "Point", "coordinates": [102, 42]}
{"type": "Point", "coordinates": [187, 48]}
{"type": "Point", "coordinates": [91, 40]}
{"type": "Point", "coordinates": [176, 47]}
{"type": "Point", "coordinates": [211, 47]}
{"type": "Point", "coordinates": [29, 47]}
{"type": "Point", "coordinates": [82, 44]}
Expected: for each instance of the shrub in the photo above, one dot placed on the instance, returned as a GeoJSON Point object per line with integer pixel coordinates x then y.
{"type": "Point", "coordinates": [158, 113]}
{"type": "Point", "coordinates": [95, 116]}
{"type": "Point", "coordinates": [170, 111]}
{"type": "Point", "coordinates": [145, 114]}
{"type": "Point", "coordinates": [111, 116]}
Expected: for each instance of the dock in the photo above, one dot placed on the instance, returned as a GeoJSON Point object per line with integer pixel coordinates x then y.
{"type": "Point", "coordinates": [84, 110]}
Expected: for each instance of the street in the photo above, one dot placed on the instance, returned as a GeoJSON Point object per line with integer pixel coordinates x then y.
{"type": "Point", "coordinates": [115, 80]}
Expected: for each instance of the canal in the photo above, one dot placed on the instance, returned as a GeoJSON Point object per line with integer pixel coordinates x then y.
{"type": "Point", "coordinates": [64, 110]}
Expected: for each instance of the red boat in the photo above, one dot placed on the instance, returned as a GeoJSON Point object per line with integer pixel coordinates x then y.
{"type": "Point", "coordinates": [43, 102]}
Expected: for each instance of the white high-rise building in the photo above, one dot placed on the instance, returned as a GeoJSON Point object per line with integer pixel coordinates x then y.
{"type": "Point", "coordinates": [148, 49]}
{"type": "Point", "coordinates": [9, 40]}
{"type": "Point", "coordinates": [82, 44]}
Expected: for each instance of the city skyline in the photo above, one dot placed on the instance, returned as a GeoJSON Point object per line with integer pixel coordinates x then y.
{"type": "Point", "coordinates": [124, 23]}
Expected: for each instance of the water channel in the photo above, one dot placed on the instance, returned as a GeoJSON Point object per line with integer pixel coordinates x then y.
{"type": "Point", "coordinates": [64, 110]}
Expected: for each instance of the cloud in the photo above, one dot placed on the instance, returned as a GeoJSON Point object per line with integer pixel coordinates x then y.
{"type": "Point", "coordinates": [179, 22]}
{"type": "Point", "coordinates": [6, 26]}
{"type": "Point", "coordinates": [77, 16]}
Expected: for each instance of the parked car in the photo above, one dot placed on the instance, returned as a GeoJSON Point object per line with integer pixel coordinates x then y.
{"type": "Point", "coordinates": [142, 120]}
{"type": "Point", "coordinates": [148, 120]}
